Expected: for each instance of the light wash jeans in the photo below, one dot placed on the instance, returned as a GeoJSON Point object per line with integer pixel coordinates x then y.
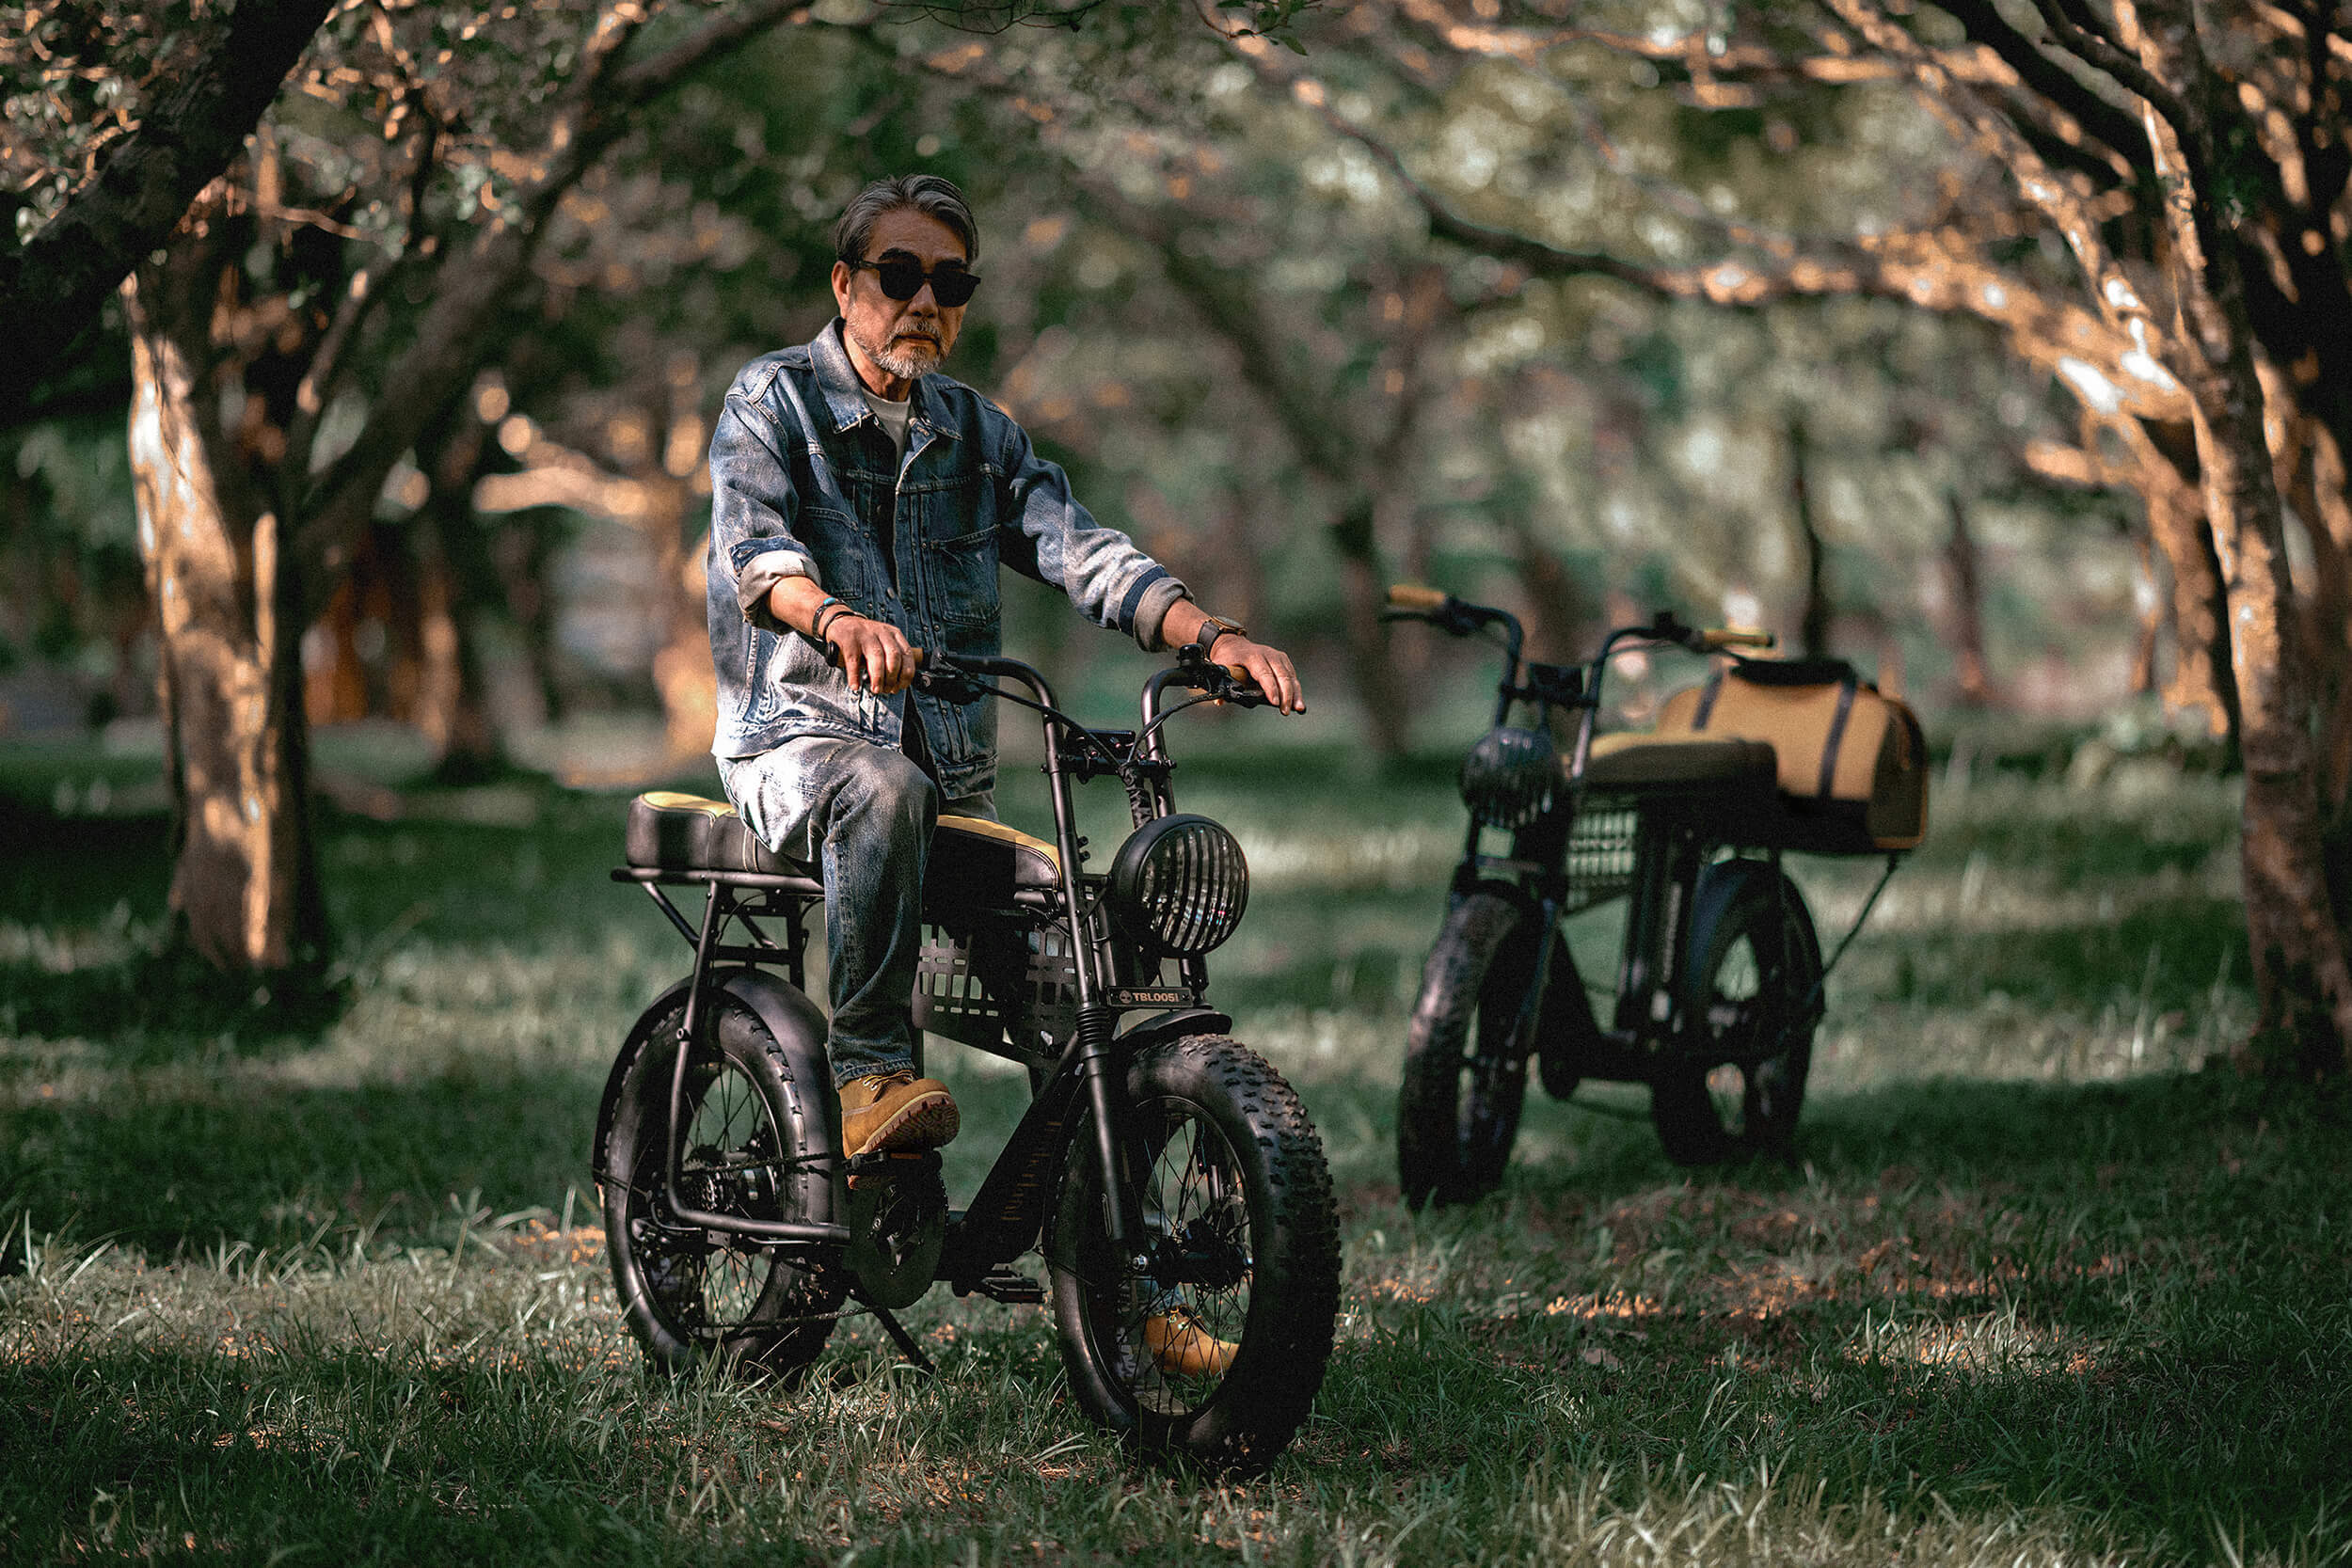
{"type": "Point", "coordinates": [860, 816]}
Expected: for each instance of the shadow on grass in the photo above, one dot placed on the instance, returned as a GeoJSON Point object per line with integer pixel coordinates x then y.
{"type": "Point", "coordinates": [489, 1465]}
{"type": "Point", "coordinates": [173, 1172]}
{"type": "Point", "coordinates": [2117, 1301]}
{"type": "Point", "coordinates": [148, 1008]}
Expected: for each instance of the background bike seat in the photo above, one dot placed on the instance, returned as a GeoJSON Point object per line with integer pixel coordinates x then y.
{"type": "Point", "coordinates": [1637, 761]}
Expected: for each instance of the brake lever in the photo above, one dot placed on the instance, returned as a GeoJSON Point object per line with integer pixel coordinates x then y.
{"type": "Point", "coordinates": [1212, 679]}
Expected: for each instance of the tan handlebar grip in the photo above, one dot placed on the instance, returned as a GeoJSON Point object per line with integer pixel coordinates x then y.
{"type": "Point", "coordinates": [1412, 595]}
{"type": "Point", "coordinates": [1736, 636]}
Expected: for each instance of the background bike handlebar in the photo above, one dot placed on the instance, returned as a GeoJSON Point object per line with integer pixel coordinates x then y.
{"type": "Point", "coordinates": [1461, 617]}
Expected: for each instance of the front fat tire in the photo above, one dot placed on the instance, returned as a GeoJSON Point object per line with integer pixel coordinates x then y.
{"type": "Point", "coordinates": [1236, 1188]}
{"type": "Point", "coordinates": [690, 1296]}
{"type": "Point", "coordinates": [1754, 965]}
{"type": "Point", "coordinates": [1463, 1085]}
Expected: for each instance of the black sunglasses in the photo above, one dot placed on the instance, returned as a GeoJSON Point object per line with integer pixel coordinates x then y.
{"type": "Point", "coordinates": [902, 278]}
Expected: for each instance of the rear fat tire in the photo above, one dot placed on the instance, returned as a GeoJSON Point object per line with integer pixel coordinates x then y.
{"type": "Point", "coordinates": [1458, 1100]}
{"type": "Point", "coordinates": [1233, 1179]}
{"type": "Point", "coordinates": [691, 1296]}
{"type": "Point", "coordinates": [1754, 961]}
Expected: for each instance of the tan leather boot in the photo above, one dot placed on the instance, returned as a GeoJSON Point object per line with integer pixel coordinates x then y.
{"type": "Point", "coordinates": [895, 1113]}
{"type": "Point", "coordinates": [1182, 1348]}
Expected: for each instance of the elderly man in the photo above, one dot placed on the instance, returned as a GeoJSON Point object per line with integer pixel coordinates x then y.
{"type": "Point", "coordinates": [863, 505]}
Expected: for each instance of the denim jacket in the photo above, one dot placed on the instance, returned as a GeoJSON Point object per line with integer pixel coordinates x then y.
{"type": "Point", "coordinates": [802, 474]}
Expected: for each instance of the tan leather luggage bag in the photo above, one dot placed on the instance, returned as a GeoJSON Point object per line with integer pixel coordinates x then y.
{"type": "Point", "coordinates": [1853, 763]}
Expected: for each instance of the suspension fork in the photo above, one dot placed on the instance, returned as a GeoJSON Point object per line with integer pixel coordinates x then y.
{"type": "Point", "coordinates": [1096, 1037]}
{"type": "Point", "coordinates": [1538, 980]}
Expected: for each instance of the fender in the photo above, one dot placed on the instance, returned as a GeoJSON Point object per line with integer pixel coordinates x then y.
{"type": "Point", "coordinates": [799, 1029]}
{"type": "Point", "coordinates": [1175, 1025]}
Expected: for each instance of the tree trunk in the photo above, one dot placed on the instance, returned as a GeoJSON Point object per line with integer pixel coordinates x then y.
{"type": "Point", "coordinates": [453, 565]}
{"type": "Point", "coordinates": [245, 890]}
{"type": "Point", "coordinates": [2151, 621]}
{"type": "Point", "coordinates": [2171, 471]}
{"type": "Point", "coordinates": [1814, 618]}
{"type": "Point", "coordinates": [2300, 977]}
{"type": "Point", "coordinates": [1555, 603]}
{"type": "Point", "coordinates": [1365, 595]}
{"type": "Point", "coordinates": [1960, 559]}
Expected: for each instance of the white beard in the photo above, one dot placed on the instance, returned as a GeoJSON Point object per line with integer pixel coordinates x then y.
{"type": "Point", "coordinates": [911, 360]}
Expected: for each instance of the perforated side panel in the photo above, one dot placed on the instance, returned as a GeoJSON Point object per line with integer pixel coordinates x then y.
{"type": "Point", "coordinates": [974, 991]}
{"type": "Point", "coordinates": [1600, 852]}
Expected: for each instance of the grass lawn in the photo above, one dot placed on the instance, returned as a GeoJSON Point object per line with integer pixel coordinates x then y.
{"type": "Point", "coordinates": [332, 1288]}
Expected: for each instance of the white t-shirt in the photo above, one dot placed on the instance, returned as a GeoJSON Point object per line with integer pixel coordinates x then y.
{"type": "Point", "coordinates": [893, 417]}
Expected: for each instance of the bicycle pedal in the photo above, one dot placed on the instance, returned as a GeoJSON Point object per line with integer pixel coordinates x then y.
{"type": "Point", "coordinates": [891, 1163]}
{"type": "Point", "coordinates": [1007, 1285]}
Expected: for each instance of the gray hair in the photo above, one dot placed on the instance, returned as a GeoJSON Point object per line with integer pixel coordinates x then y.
{"type": "Point", "coordinates": [931, 195]}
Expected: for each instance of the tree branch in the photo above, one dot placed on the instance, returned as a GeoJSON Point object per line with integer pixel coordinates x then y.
{"type": "Point", "coordinates": [2113, 128]}
{"type": "Point", "coordinates": [2103, 53]}
{"type": "Point", "coordinates": [52, 288]}
{"type": "Point", "coordinates": [460, 330]}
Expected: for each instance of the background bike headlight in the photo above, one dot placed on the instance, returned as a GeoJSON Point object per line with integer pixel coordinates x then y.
{"type": "Point", "coordinates": [1181, 883]}
{"type": "Point", "coordinates": [1512, 777]}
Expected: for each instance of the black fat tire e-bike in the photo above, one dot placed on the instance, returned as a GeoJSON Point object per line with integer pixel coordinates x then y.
{"type": "Point", "coordinates": [1719, 985]}
{"type": "Point", "coordinates": [1170, 1176]}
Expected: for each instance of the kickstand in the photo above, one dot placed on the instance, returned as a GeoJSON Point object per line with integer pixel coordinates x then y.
{"type": "Point", "coordinates": [905, 1341]}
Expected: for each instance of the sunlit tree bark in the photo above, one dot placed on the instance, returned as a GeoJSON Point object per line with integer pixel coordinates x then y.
{"type": "Point", "coordinates": [269, 517]}
{"type": "Point", "coordinates": [243, 886]}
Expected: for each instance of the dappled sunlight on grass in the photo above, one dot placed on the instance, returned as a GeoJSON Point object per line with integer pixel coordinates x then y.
{"type": "Point", "coordinates": [2029, 1291]}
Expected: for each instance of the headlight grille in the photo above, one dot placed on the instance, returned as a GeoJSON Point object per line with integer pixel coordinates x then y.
{"type": "Point", "coordinates": [1181, 883]}
{"type": "Point", "coordinates": [1512, 777]}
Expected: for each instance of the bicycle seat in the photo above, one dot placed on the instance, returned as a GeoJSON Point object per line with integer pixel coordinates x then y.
{"type": "Point", "coordinates": [1639, 761]}
{"type": "Point", "coordinates": [669, 831]}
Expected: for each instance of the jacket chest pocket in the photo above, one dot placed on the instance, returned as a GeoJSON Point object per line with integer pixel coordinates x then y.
{"type": "Point", "coordinates": [840, 548]}
{"type": "Point", "coordinates": [962, 577]}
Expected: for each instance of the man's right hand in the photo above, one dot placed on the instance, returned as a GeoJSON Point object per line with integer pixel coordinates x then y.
{"type": "Point", "coordinates": [875, 654]}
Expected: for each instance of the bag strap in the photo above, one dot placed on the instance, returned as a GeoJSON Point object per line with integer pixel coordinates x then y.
{"type": "Point", "coordinates": [1707, 701]}
{"type": "Point", "coordinates": [1836, 734]}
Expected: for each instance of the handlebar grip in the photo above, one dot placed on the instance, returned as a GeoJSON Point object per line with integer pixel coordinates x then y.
{"type": "Point", "coordinates": [1736, 636]}
{"type": "Point", "coordinates": [922, 657]}
{"type": "Point", "coordinates": [1412, 595]}
{"type": "Point", "coordinates": [1246, 694]}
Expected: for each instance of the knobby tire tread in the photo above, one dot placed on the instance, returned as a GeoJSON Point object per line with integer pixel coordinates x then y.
{"type": "Point", "coordinates": [1481, 961]}
{"type": "Point", "coordinates": [1759, 904]}
{"type": "Point", "coordinates": [1258, 1406]}
{"type": "Point", "coordinates": [795, 1310]}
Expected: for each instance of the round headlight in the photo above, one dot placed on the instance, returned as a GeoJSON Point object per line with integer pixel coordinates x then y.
{"type": "Point", "coordinates": [1511, 777]}
{"type": "Point", "coordinates": [1181, 883]}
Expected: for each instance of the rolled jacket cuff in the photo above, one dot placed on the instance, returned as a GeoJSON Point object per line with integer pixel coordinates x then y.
{"type": "Point", "coordinates": [1151, 613]}
{"type": "Point", "coordinates": [759, 579]}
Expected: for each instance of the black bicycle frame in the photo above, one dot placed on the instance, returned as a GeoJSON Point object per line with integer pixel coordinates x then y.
{"type": "Point", "coordinates": [1666, 846]}
{"type": "Point", "coordinates": [1008, 1212]}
